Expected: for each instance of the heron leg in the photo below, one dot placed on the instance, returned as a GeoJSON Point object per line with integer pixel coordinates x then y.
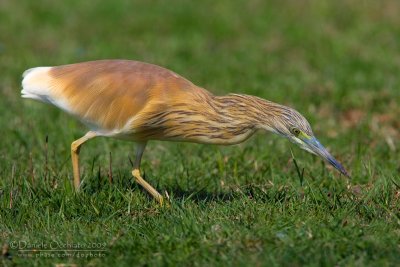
{"type": "Point", "coordinates": [138, 177]}
{"type": "Point", "coordinates": [75, 149]}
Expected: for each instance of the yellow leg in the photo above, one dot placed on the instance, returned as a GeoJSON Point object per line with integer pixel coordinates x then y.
{"type": "Point", "coordinates": [75, 149]}
{"type": "Point", "coordinates": [147, 186]}
{"type": "Point", "coordinates": [138, 177]}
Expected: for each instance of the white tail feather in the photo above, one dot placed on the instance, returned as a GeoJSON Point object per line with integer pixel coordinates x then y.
{"type": "Point", "coordinates": [36, 84]}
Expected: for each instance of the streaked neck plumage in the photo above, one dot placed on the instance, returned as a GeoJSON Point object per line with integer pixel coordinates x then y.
{"type": "Point", "coordinates": [224, 120]}
{"type": "Point", "coordinates": [251, 110]}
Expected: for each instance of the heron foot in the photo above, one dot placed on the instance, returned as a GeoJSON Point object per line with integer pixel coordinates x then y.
{"type": "Point", "coordinates": [148, 187]}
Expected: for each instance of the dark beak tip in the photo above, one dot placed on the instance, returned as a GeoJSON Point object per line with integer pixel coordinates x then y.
{"type": "Point", "coordinates": [322, 152]}
{"type": "Point", "coordinates": [339, 167]}
{"type": "Point", "coordinates": [345, 173]}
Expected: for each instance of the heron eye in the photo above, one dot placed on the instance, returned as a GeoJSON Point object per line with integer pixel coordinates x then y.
{"type": "Point", "coordinates": [296, 131]}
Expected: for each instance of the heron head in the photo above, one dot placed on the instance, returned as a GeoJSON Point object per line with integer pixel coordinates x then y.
{"type": "Point", "coordinates": [292, 125]}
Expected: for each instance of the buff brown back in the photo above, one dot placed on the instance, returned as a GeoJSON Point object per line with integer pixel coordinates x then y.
{"type": "Point", "coordinates": [106, 94]}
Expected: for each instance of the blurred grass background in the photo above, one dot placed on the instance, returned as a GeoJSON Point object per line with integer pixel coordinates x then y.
{"type": "Point", "coordinates": [336, 62]}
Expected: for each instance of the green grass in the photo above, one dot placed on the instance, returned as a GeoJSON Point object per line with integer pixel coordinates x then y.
{"type": "Point", "coordinates": [337, 62]}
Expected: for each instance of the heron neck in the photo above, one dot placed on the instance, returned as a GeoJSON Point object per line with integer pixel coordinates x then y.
{"type": "Point", "coordinates": [247, 110]}
{"type": "Point", "coordinates": [205, 118]}
{"type": "Point", "coordinates": [226, 119]}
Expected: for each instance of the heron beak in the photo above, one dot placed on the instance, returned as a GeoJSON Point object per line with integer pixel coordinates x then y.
{"type": "Point", "coordinates": [316, 147]}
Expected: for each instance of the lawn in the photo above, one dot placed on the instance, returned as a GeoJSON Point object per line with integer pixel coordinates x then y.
{"type": "Point", "coordinates": [336, 62]}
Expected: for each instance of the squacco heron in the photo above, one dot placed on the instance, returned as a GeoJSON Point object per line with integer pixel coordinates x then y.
{"type": "Point", "coordinates": [138, 101]}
